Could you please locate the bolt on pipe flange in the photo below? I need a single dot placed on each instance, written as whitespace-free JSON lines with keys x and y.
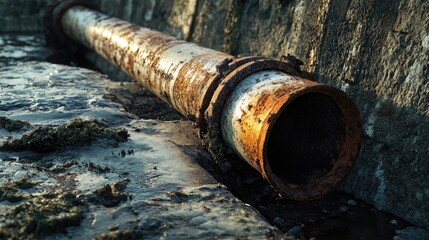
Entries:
{"x":302,"y":136}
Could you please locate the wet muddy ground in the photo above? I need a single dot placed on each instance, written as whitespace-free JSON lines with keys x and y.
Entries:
{"x":141,"y":172}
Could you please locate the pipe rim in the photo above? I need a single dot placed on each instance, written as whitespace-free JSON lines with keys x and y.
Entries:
{"x":55,"y":14}
{"x":349,"y":148}
{"x":240,"y":68}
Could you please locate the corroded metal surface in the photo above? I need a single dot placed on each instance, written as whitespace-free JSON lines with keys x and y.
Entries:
{"x":254,"y":109}
{"x":180,"y":73}
{"x":259,"y":107}
{"x":238,"y":70}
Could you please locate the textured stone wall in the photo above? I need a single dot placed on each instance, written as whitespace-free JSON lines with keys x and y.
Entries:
{"x":22,"y":15}
{"x":376,"y":51}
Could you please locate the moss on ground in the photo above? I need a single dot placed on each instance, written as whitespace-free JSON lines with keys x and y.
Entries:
{"x":96,"y":168}
{"x":76,"y":133}
{"x":131,"y":233}
{"x":36,"y":216}
{"x":25,"y":183}
{"x":111,"y":195}
{"x":10,"y":190}
{"x":41,"y":215}
{"x":11,"y":124}
{"x":63,"y":167}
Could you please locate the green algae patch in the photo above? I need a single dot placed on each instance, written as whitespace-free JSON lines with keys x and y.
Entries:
{"x":11,"y":124}
{"x":76,"y":133}
{"x":111,"y":195}
{"x":41,"y":215}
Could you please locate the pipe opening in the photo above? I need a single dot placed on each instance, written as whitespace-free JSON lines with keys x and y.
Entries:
{"x":306,"y":139}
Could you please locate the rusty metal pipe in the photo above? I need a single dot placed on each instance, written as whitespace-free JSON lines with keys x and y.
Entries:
{"x":302,"y":136}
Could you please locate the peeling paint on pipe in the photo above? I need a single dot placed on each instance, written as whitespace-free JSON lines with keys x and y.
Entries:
{"x":302,"y":136}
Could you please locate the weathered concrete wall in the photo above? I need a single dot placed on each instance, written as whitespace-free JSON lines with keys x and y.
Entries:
{"x":22,"y":15}
{"x":376,"y":51}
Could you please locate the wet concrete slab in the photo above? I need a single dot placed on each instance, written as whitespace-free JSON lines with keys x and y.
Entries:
{"x":167,"y":194}
{"x":16,"y":48}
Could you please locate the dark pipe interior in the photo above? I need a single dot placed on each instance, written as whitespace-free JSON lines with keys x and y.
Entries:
{"x":305,"y":140}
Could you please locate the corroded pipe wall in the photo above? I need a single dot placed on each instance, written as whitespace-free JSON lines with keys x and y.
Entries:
{"x":178,"y":72}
